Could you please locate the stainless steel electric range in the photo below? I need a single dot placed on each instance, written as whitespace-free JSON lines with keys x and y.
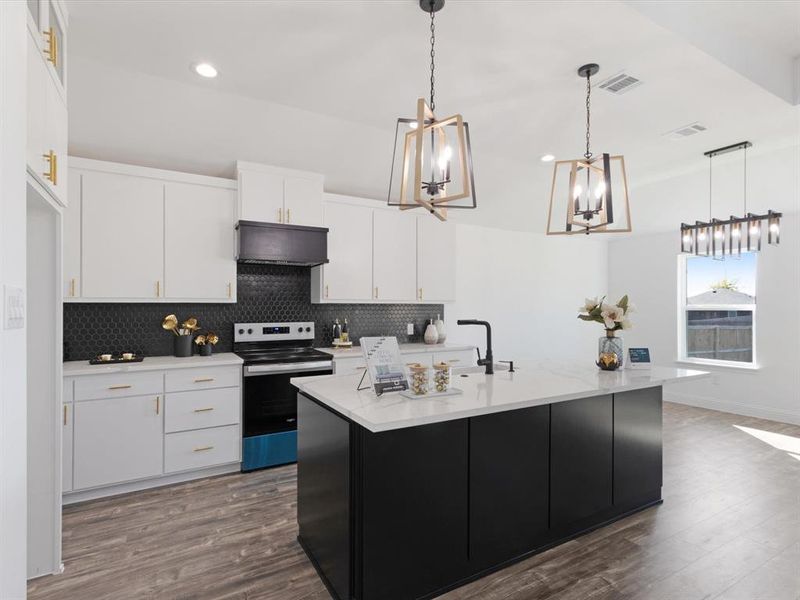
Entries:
{"x":273,"y":353}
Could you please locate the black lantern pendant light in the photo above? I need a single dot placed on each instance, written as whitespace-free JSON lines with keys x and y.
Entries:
{"x":719,"y":238}
{"x":432,"y":159}
{"x":589,"y":186}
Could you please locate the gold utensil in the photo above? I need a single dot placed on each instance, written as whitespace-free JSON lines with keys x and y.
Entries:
{"x":190,"y":324}
{"x":200,"y":340}
{"x":170,"y":323}
{"x":212,"y":338}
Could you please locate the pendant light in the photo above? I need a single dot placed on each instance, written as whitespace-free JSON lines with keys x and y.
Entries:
{"x":432,"y":159}
{"x":719,"y":238}
{"x":588,"y":186}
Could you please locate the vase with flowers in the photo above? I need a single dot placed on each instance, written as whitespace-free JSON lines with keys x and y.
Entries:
{"x":613,"y":317}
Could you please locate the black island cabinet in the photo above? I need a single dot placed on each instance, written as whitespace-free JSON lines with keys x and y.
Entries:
{"x":413,"y":512}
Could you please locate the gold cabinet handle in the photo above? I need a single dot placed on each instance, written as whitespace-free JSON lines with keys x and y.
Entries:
{"x":158,"y":289}
{"x":420,"y":293}
{"x":203,"y":379}
{"x":452,"y":360}
{"x":376,"y":292}
{"x":230,"y":290}
{"x":326,"y":290}
{"x":280,"y":215}
{"x":72,"y":287}
{"x":203,"y":448}
{"x":158,"y":405}
{"x":199,"y":410}
{"x":52,"y":167}
{"x":51,"y":52}
{"x":120,"y":387}
{"x":65,"y":414}
{"x":288,"y":215}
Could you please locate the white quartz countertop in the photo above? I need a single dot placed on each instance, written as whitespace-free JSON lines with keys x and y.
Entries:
{"x":355,"y":351}
{"x":151,"y":363}
{"x":483,"y":394}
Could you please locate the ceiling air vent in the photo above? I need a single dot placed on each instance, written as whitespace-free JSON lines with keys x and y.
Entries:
{"x":619,"y":83}
{"x":685,"y":131}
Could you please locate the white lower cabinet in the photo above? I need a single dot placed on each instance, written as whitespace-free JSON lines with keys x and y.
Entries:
{"x":201,"y":448}
{"x":121,"y":431}
{"x":118,"y":439}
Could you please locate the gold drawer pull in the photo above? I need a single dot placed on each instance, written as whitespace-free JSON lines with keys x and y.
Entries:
{"x":203,"y":379}
{"x":452,"y":360}
{"x":199,"y":410}
{"x":360,"y":368}
{"x":203,"y":448}
{"x":120,"y":387}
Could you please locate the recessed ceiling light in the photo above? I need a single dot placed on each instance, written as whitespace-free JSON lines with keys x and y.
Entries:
{"x":547,"y":158}
{"x":205,"y":70}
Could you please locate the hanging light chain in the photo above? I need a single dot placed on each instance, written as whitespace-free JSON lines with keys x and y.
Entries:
{"x":745,"y":180}
{"x":433,"y":55}
{"x":710,"y":184}
{"x":588,"y":153}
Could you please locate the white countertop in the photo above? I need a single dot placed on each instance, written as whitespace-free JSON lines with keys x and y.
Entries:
{"x":355,"y":351}
{"x":151,"y":363}
{"x":528,"y":386}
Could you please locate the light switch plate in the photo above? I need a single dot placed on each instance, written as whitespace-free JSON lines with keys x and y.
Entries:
{"x":14,"y":302}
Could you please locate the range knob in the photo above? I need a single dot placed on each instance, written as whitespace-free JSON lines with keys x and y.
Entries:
{"x":299,"y":330}
{"x":249,"y":331}
{"x":308,"y":329}
{"x":241,"y":331}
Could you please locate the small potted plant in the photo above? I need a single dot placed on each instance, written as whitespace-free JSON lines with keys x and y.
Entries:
{"x":613,"y":317}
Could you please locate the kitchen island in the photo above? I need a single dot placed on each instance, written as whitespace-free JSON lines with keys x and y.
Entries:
{"x":408,"y":498}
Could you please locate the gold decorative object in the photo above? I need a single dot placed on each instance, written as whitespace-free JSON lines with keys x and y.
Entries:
{"x":200,"y":340}
{"x":608,"y":361}
{"x":170,"y":323}
{"x":212,"y":338}
{"x":190,"y":324}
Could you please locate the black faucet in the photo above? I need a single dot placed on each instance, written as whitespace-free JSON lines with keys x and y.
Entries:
{"x":488,"y":362}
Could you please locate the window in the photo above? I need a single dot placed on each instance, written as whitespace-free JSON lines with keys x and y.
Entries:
{"x":718,"y":310}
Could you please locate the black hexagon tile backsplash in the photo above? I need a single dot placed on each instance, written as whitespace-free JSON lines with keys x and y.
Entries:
{"x":266,"y":293}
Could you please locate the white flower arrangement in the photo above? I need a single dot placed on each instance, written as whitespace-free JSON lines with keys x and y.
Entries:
{"x":613,"y":316}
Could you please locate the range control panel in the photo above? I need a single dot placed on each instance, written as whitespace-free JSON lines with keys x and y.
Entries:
{"x":272,"y":332}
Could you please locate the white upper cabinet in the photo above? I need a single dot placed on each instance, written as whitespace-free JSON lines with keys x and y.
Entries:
{"x":378,"y":254}
{"x":47,"y":100}
{"x":122,"y":236}
{"x":394,"y":257}
{"x":348,"y":275}
{"x":71,"y":239}
{"x":302,"y":199}
{"x":133,"y":234}
{"x":436,"y":264}
{"x":260,"y":196}
{"x":276,"y":195}
{"x":199,"y":255}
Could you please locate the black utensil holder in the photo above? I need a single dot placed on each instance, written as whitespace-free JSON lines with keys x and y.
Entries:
{"x":183,"y":346}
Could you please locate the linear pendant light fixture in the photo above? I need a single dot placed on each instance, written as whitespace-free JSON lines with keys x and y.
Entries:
{"x":588,"y":186}
{"x":719,"y":238}
{"x":432,"y":159}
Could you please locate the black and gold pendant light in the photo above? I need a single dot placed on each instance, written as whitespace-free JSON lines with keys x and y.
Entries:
{"x":432,"y":159}
{"x":719,"y":238}
{"x":586,"y":188}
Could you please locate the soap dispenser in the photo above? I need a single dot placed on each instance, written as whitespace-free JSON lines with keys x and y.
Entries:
{"x":431,"y":335}
{"x":440,"y":330}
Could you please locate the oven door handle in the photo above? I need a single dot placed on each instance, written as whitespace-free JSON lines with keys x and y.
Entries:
{"x":319,"y":365}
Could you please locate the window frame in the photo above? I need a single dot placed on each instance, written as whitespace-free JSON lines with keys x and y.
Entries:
{"x":684,"y":308}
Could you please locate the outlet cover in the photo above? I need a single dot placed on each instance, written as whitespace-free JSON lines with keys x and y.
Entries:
{"x":14,"y":307}
{"x":410,"y":329}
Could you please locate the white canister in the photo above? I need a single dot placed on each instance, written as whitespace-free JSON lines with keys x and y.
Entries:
{"x":440,"y":330}
{"x":431,"y":335}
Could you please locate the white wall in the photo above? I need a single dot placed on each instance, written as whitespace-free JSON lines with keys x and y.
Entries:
{"x":13,"y":510}
{"x":646,"y":267}
{"x":529,"y":287}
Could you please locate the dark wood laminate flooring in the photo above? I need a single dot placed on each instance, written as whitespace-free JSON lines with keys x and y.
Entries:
{"x":729,"y":528}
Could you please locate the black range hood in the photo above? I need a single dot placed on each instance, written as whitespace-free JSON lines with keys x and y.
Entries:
{"x":280,"y":244}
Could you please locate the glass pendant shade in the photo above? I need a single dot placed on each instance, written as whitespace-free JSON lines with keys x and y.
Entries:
{"x":432,"y":164}
{"x":773,"y":228}
{"x":589,"y":195}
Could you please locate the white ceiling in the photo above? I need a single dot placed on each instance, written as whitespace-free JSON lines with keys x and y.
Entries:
{"x":507,"y":66}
